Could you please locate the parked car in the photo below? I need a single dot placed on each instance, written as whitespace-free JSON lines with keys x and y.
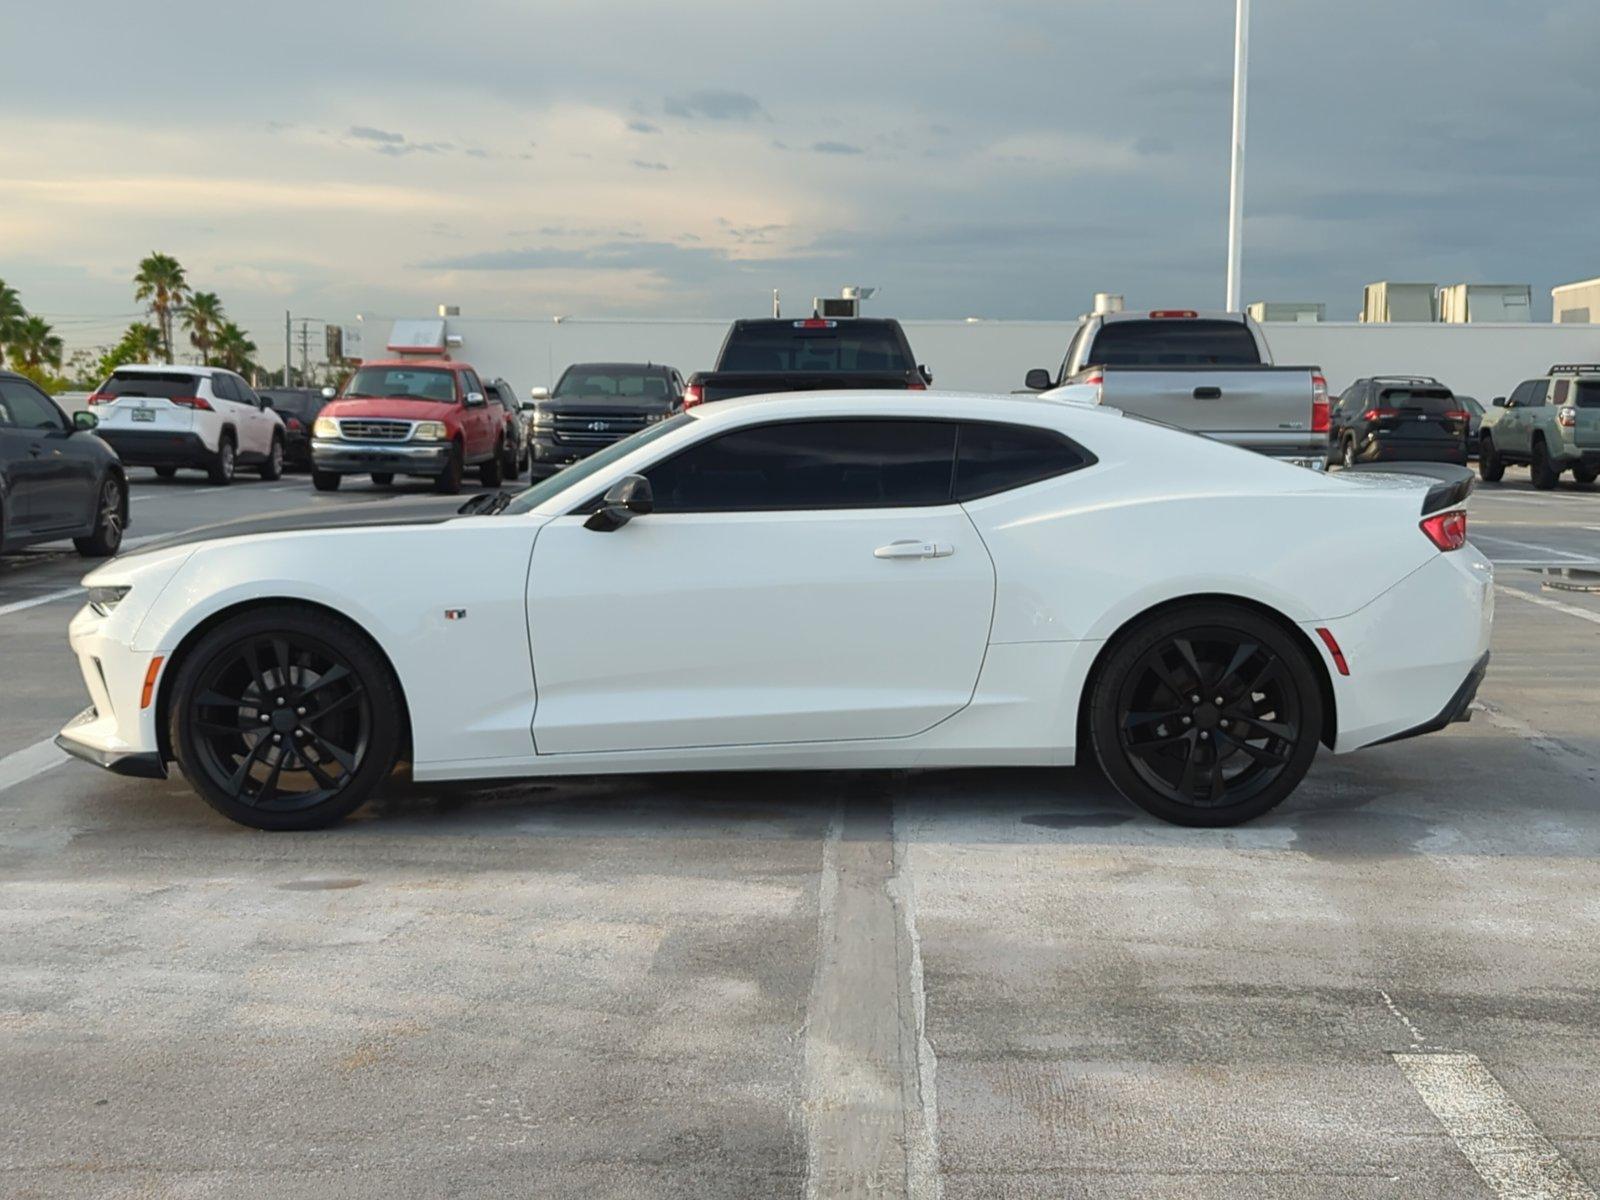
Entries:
{"x":858,"y":579}
{"x":298,"y":408}
{"x":57,"y":479}
{"x":503,"y":394}
{"x":1208,"y":372}
{"x":1412,"y":418}
{"x":1475,"y":413}
{"x":175,"y":417}
{"x":1551,"y":423}
{"x":594,"y":405}
{"x":425,"y":417}
{"x":812,"y":354}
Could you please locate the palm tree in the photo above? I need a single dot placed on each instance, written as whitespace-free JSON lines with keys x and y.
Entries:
{"x":140,"y":343}
{"x":202,"y":317}
{"x":33,"y":345}
{"x":161,"y":284}
{"x":11,"y":312}
{"x":234,"y":349}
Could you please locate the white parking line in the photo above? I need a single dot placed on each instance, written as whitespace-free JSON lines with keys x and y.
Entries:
{"x":22,"y":765}
{"x":1571,"y":610}
{"x":1498,"y":1138}
{"x":36,"y":601}
{"x":1534,"y":546}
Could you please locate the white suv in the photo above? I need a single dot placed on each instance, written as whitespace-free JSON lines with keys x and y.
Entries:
{"x":168,"y":417}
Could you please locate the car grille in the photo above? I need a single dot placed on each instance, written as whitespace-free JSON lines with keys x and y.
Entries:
{"x":364,"y":430}
{"x":596,"y":428}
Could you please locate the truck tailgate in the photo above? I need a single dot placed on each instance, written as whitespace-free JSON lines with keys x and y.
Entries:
{"x":1250,"y":400}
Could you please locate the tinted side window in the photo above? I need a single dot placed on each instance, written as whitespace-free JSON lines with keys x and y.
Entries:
{"x":222,"y":385}
{"x":996,"y":458}
{"x":1520,"y":394}
{"x":1540,"y":387}
{"x":1562,"y":386}
{"x":25,"y":407}
{"x":811,"y":465}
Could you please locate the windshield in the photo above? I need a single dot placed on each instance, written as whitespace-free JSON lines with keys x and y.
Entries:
{"x":605,"y":381}
{"x":402,"y":383}
{"x":820,"y":346}
{"x":163,"y":384}
{"x":296,"y":403}
{"x":598,"y":461}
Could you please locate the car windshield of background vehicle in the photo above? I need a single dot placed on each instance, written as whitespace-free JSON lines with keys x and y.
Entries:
{"x":1585,"y":394}
{"x":295,"y":405}
{"x":162,"y":385}
{"x":1432,"y":403}
{"x":401,"y":383}
{"x":1174,"y":342}
{"x":611,"y":383}
{"x":598,"y":461}
{"x":793,"y":346}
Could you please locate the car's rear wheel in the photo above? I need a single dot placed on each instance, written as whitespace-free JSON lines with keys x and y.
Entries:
{"x":111,"y":508}
{"x":166,"y":472}
{"x":326,"y":481}
{"x":1348,"y":456}
{"x":273,"y":468}
{"x":1209,"y":715}
{"x":1544,"y":472}
{"x":224,"y":461}
{"x":285,"y":718}
{"x":448,"y":481}
{"x":1586,"y":474}
{"x":383,"y":478}
{"x":509,"y":466}
{"x":1490,"y":465}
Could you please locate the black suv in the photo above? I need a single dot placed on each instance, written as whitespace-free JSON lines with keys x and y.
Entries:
{"x":593,"y":405}
{"x":1398,"y":418}
{"x":516,"y":441}
{"x":57,"y":480}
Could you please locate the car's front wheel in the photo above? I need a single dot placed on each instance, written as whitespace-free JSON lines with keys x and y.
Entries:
{"x":448,"y":481}
{"x":111,"y":509}
{"x":1208,"y":714}
{"x":1490,"y":465}
{"x":285,"y":718}
{"x":326,"y":481}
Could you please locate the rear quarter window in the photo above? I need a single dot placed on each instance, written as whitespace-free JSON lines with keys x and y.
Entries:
{"x":1586,"y":394}
{"x":993,"y":458}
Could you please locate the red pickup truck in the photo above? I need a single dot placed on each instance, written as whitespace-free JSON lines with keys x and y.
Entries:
{"x":425,"y":417}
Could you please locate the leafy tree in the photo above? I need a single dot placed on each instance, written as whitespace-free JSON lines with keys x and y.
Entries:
{"x":234,"y":349}
{"x":140,"y":344}
{"x":34,"y":345}
{"x":161,"y":284}
{"x":11,"y":312}
{"x":203,"y":317}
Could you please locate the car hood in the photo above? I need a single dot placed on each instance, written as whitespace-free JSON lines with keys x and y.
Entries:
{"x":405,"y":410}
{"x":424,"y":510}
{"x":606,"y":403}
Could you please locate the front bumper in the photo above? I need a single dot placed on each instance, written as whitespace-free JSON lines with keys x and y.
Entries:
{"x":543,"y":449}
{"x":401,"y":458}
{"x":155,"y":448}
{"x":75,"y":740}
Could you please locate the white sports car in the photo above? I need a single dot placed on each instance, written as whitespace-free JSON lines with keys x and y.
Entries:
{"x":834,"y":580}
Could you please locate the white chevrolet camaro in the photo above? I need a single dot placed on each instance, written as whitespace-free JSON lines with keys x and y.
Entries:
{"x":832,"y":580}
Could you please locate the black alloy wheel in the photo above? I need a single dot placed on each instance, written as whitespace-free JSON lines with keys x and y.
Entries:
{"x":111,"y":509}
{"x":1209,"y":716}
{"x":285,"y":718}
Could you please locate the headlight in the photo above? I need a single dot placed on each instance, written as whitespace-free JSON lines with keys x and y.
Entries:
{"x":104,"y":599}
{"x":325,"y":427}
{"x":431,"y":431}
{"x":539,"y":418}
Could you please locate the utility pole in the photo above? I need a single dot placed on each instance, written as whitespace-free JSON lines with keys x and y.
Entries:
{"x":1241,"y":66}
{"x":288,"y":323}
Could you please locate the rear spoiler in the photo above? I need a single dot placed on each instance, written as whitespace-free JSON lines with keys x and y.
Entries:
{"x":1451,"y":484}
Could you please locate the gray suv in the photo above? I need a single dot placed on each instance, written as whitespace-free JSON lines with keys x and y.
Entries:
{"x":1551,"y":423}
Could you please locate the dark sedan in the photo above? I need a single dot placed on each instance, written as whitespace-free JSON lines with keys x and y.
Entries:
{"x":299,"y":408}
{"x":57,"y":480}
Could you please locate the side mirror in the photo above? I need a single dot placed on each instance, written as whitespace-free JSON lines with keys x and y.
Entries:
{"x":266,"y":401}
{"x":1500,"y":402}
{"x":927,"y":375}
{"x":539,"y":393}
{"x":328,"y":393}
{"x":627,"y":498}
{"x":476,"y":400}
{"x":84,"y":421}
{"x":1038,"y":380}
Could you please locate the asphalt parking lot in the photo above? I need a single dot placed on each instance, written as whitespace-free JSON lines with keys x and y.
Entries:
{"x":967,"y":984}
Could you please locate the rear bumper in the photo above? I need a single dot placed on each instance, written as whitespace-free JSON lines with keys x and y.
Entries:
{"x":358,"y":458}
{"x":1457,"y":709}
{"x":155,"y":448}
{"x":1377,"y":450}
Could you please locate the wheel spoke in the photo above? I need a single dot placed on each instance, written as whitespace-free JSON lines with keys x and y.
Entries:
{"x":324,"y":780}
{"x":343,"y":757}
{"x":1260,"y":754}
{"x":1268,"y":728}
{"x":218,"y":700}
{"x":1219,"y":783}
{"x":242,"y":771}
{"x":280,"y":651}
{"x":217,"y":729}
{"x":333,"y":675}
{"x":334,"y":706}
{"x":1149,"y":745}
{"x":1186,"y":648}
{"x":254,"y":663}
{"x":1186,"y":782}
{"x":1242,"y":655}
{"x":270,"y":786}
{"x":1164,"y":674}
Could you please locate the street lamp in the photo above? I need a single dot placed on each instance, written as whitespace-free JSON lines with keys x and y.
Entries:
{"x":1241,"y":65}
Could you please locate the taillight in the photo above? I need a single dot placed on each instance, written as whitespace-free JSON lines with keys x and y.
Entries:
{"x":199,"y":402}
{"x":1567,"y":417}
{"x":1173,"y":314}
{"x":1457,"y":414}
{"x":916,"y":385}
{"x":1093,"y":377}
{"x":693,"y":394}
{"x":1319,"y":404}
{"x":102,"y":398}
{"x":1380,"y":414}
{"x":1447,"y":530}
{"x":293,"y":425}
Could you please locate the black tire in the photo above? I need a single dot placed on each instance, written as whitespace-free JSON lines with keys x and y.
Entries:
{"x":1156,"y":726}
{"x":489,"y":470}
{"x":383,"y":478}
{"x":1490,"y":465}
{"x":1347,"y":452}
{"x":448,"y":481}
{"x":111,"y":516}
{"x":272,"y":469}
{"x":1586,"y":474}
{"x":224,"y":462}
{"x":326,"y":481}
{"x":1545,"y":474}
{"x":166,"y":472}
{"x":288,"y":765}
{"x":510,"y":466}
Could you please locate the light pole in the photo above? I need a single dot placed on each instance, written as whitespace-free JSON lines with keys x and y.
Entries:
{"x":1241,"y":67}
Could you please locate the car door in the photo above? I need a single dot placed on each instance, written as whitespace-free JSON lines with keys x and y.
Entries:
{"x":1511,"y":431}
{"x":258,"y":418}
{"x":477,"y":419}
{"x":798,"y":582}
{"x":52,"y":477}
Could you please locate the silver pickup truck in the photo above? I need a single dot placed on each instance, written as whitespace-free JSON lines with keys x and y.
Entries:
{"x":1209,"y":372}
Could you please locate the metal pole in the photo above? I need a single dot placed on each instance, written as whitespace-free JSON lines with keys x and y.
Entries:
{"x":288,"y":324}
{"x":1241,"y":66}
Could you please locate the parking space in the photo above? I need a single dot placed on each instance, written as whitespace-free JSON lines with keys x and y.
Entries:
{"x":973,"y":983}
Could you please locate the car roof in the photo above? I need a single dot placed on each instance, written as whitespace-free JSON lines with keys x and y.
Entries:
{"x":173,"y":369}
{"x":442,"y":363}
{"x":620,"y":366}
{"x":1190,"y":314}
{"x":1026,"y":409}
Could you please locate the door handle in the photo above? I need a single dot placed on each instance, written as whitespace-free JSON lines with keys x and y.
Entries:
{"x":1208,"y":393}
{"x":914,"y":549}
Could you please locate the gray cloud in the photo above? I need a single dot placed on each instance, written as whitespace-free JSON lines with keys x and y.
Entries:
{"x":649,"y":166}
{"x":367,"y":133}
{"x":835,"y":148}
{"x":713,"y":104}
{"x":640,"y":125}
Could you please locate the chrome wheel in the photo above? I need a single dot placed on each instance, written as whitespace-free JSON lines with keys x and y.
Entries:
{"x":110,"y":524}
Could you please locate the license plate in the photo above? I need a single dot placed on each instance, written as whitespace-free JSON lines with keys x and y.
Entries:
{"x":1310,"y":464}
{"x":144,"y":414}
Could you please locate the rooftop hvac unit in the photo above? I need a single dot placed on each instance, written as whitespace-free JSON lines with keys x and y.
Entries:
{"x":1300,"y":312}
{"x":1466,"y":303}
{"x":836,"y":306}
{"x":1576,"y":303}
{"x":1107,"y":302}
{"x":1386,"y":302}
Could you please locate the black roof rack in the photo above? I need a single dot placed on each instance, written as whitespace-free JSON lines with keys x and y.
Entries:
{"x":1574,"y":369}
{"x":1406,"y":379}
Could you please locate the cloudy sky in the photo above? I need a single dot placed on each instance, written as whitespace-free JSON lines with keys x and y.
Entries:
{"x":633,"y":157}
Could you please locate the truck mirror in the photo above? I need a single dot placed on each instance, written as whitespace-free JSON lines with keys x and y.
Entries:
{"x":1499,"y":402}
{"x":1038,"y":380}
